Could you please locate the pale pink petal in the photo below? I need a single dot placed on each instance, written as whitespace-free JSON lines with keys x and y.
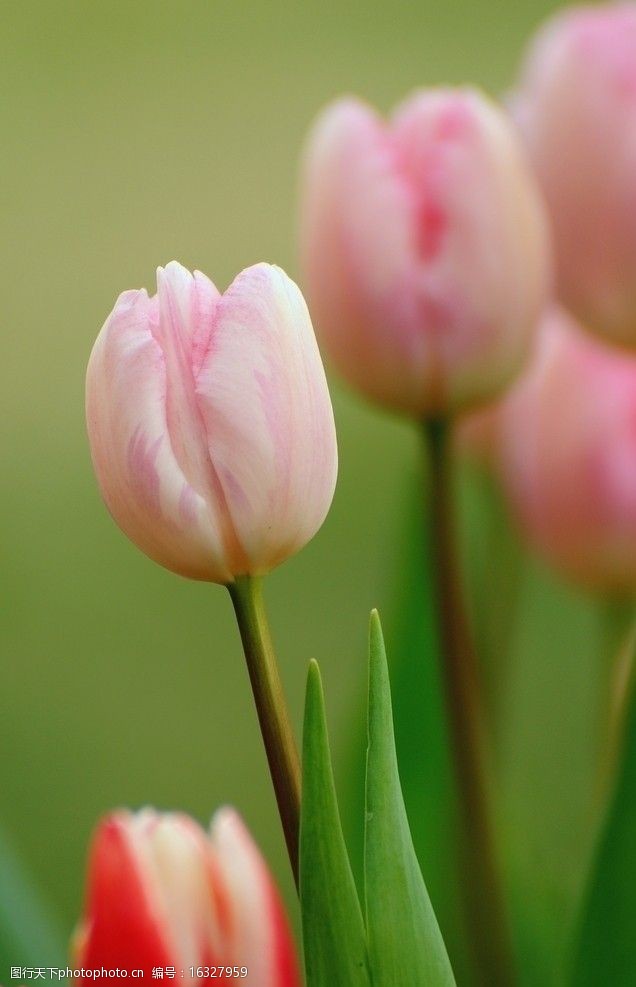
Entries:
{"x":355,"y":249}
{"x":325,"y":255}
{"x":479,"y":274}
{"x":265,"y":404}
{"x":140,"y":475}
{"x":186,"y":313}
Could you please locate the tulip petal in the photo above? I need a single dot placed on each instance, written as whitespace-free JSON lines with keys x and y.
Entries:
{"x":122,"y":929}
{"x":141,"y":479}
{"x":473,"y":203}
{"x":349,"y":193}
{"x":186,"y":312}
{"x":259,"y":937}
{"x":174,"y":852}
{"x":263,"y":397}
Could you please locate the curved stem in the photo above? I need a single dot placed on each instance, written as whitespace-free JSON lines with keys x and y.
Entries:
{"x":481,"y":882}
{"x":273,"y":717}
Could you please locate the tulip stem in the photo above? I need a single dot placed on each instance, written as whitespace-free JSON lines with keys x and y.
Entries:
{"x":481,"y":885}
{"x":271,"y":707}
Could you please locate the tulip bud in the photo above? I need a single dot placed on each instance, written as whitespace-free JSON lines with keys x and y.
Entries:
{"x":210,"y":422}
{"x":576,"y":106}
{"x":425,"y":249}
{"x":567,"y":455}
{"x":163,"y":894}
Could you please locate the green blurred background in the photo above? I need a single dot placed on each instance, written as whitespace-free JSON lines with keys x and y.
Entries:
{"x":134,"y":133}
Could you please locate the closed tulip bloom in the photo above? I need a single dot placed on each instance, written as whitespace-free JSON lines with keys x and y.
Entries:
{"x":567,"y":455}
{"x":576,"y":106}
{"x":425,"y":249}
{"x":162,"y":893}
{"x":210,"y":422}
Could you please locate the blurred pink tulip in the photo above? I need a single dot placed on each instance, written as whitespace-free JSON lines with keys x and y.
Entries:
{"x":161,"y":893}
{"x":566,"y":449}
{"x":576,"y":106}
{"x":425,"y":249}
{"x":210,"y":422}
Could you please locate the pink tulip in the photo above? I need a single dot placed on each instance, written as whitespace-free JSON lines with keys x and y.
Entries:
{"x":576,"y":106}
{"x":210,"y":422}
{"x":161,"y":893}
{"x":425,"y":249}
{"x":567,"y":455}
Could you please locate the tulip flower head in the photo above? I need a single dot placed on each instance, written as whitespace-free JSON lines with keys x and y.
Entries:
{"x":576,"y":107}
{"x":567,"y":455}
{"x":210,"y":422}
{"x":161,"y":893}
{"x":425,"y":249}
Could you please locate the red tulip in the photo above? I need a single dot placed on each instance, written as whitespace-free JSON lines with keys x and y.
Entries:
{"x":166,"y":899}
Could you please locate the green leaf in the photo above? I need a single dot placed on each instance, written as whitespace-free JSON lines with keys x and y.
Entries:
{"x":405,"y":943}
{"x":29,"y":935}
{"x":333,"y":929}
{"x":606,"y":952}
{"x":421,"y":738}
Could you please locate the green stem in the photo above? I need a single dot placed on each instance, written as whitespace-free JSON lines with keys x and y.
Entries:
{"x":273,"y":717}
{"x":481,"y":885}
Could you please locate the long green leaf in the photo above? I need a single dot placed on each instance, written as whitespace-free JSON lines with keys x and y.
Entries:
{"x":29,"y":935}
{"x":425,"y":767}
{"x":405,"y":943}
{"x":333,"y":929}
{"x":606,"y":952}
